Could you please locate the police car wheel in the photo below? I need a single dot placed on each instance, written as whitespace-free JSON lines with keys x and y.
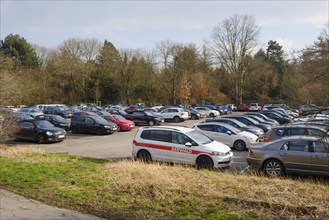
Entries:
{"x":176,"y":119}
{"x":204,"y":162}
{"x":144,"y":156}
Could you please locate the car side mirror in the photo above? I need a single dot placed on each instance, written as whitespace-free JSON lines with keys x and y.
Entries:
{"x":228,"y":132}
{"x":188,"y":144}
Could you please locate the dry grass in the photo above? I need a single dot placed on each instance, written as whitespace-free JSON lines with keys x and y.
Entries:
{"x":136,"y":190}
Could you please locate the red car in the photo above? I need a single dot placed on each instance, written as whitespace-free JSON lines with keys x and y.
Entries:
{"x":243,"y":107}
{"x":123,"y":124}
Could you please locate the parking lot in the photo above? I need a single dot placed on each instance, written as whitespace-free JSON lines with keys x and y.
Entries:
{"x":117,"y":146}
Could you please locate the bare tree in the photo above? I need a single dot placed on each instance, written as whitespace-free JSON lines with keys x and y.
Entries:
{"x":232,"y":43}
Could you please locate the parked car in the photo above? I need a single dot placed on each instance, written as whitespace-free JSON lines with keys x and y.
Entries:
{"x":63,"y":111}
{"x":304,"y":155}
{"x":56,"y":120}
{"x":233,"y":107}
{"x":122,"y":123}
{"x":243,"y":107}
{"x":250,"y":121}
{"x":30,"y":111}
{"x":209,"y":112}
{"x":276,"y":116}
{"x":40,"y":131}
{"x":227,"y":134}
{"x":174,"y":114}
{"x":117,"y":112}
{"x":195,"y":114}
{"x":22,"y":117}
{"x":264,"y":117}
{"x":92,"y":124}
{"x":292,"y":129}
{"x":225,"y":109}
{"x":254,"y":107}
{"x":180,"y":145}
{"x":142,"y":117}
{"x":239,"y":125}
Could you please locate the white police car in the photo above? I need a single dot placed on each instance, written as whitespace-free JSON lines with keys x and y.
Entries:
{"x":180,"y":145}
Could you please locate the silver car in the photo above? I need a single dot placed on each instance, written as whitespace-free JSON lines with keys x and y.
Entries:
{"x":295,"y":154}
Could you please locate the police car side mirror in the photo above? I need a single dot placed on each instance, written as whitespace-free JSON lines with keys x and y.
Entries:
{"x":188,"y":144}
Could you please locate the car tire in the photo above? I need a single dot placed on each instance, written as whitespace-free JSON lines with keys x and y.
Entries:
{"x":119,"y":128}
{"x":273,"y":168}
{"x":239,"y":145}
{"x":204,"y":162}
{"x":211,"y":115}
{"x":176,"y":119}
{"x":41,"y":139}
{"x":151,"y":123}
{"x":193,"y":117}
{"x":144,"y":156}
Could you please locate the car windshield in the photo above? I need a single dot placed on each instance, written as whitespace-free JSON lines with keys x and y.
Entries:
{"x":118,"y":117}
{"x":43,"y":124}
{"x":58,"y":118}
{"x":199,"y":137}
{"x":234,"y":130}
{"x":252,"y":120}
{"x":99,"y":119}
{"x":149,"y":113}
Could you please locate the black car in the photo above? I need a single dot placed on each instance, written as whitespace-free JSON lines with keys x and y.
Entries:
{"x":250,"y":121}
{"x":40,"y":131}
{"x":56,"y":120}
{"x":142,"y":117}
{"x":64,"y":112}
{"x":92,"y":124}
{"x":276,"y":116}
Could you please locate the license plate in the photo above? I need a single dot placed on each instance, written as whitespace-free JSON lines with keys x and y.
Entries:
{"x":61,"y":136}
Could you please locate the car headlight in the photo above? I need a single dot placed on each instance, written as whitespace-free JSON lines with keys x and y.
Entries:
{"x":216,"y":153}
{"x":49,"y":133}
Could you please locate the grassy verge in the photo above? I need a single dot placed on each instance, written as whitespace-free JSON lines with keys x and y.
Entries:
{"x":133,"y":190}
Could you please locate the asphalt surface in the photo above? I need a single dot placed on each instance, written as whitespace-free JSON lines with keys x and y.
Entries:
{"x":117,"y":146}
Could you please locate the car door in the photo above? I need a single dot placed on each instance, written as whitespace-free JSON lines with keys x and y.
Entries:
{"x":166,"y":114}
{"x":27,"y":130}
{"x":320,"y":157}
{"x":222,"y":135}
{"x":296,"y":156}
{"x":159,"y":144}
{"x":89,"y":125}
{"x":181,"y":152}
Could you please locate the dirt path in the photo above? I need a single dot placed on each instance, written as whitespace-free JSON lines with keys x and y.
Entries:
{"x":16,"y":207}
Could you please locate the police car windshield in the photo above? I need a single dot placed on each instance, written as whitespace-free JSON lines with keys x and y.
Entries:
{"x":199,"y":137}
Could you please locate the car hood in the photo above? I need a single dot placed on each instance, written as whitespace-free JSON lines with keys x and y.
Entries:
{"x":215,"y":146}
{"x":52,"y":129}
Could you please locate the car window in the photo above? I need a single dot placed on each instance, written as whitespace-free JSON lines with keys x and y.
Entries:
{"x":320,"y":147}
{"x":43,"y":124}
{"x":297,"y":131}
{"x":315,"y":132}
{"x":296,"y":146}
{"x":26,"y":124}
{"x":207,"y":127}
{"x":279,"y":132}
{"x":220,"y":129}
{"x":179,"y":138}
{"x":158,"y":135}
{"x":89,"y":121}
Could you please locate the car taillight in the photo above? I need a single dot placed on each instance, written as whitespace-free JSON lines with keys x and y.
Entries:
{"x":266,"y":139}
{"x":250,"y":152}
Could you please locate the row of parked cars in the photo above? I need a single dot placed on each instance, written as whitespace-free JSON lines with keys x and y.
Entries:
{"x":277,"y":140}
{"x":57,"y":119}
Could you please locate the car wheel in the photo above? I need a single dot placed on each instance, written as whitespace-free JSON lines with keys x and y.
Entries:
{"x":204,"y":162}
{"x":151,"y":123}
{"x":239,"y":145}
{"x":144,"y":156}
{"x":41,"y":139}
{"x":193,"y":117}
{"x":212,"y":115}
{"x":100,"y":131}
{"x":176,"y":119}
{"x":273,"y":168}
{"x":119,"y":128}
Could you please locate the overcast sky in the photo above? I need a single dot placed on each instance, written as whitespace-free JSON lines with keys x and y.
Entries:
{"x":142,"y":24}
